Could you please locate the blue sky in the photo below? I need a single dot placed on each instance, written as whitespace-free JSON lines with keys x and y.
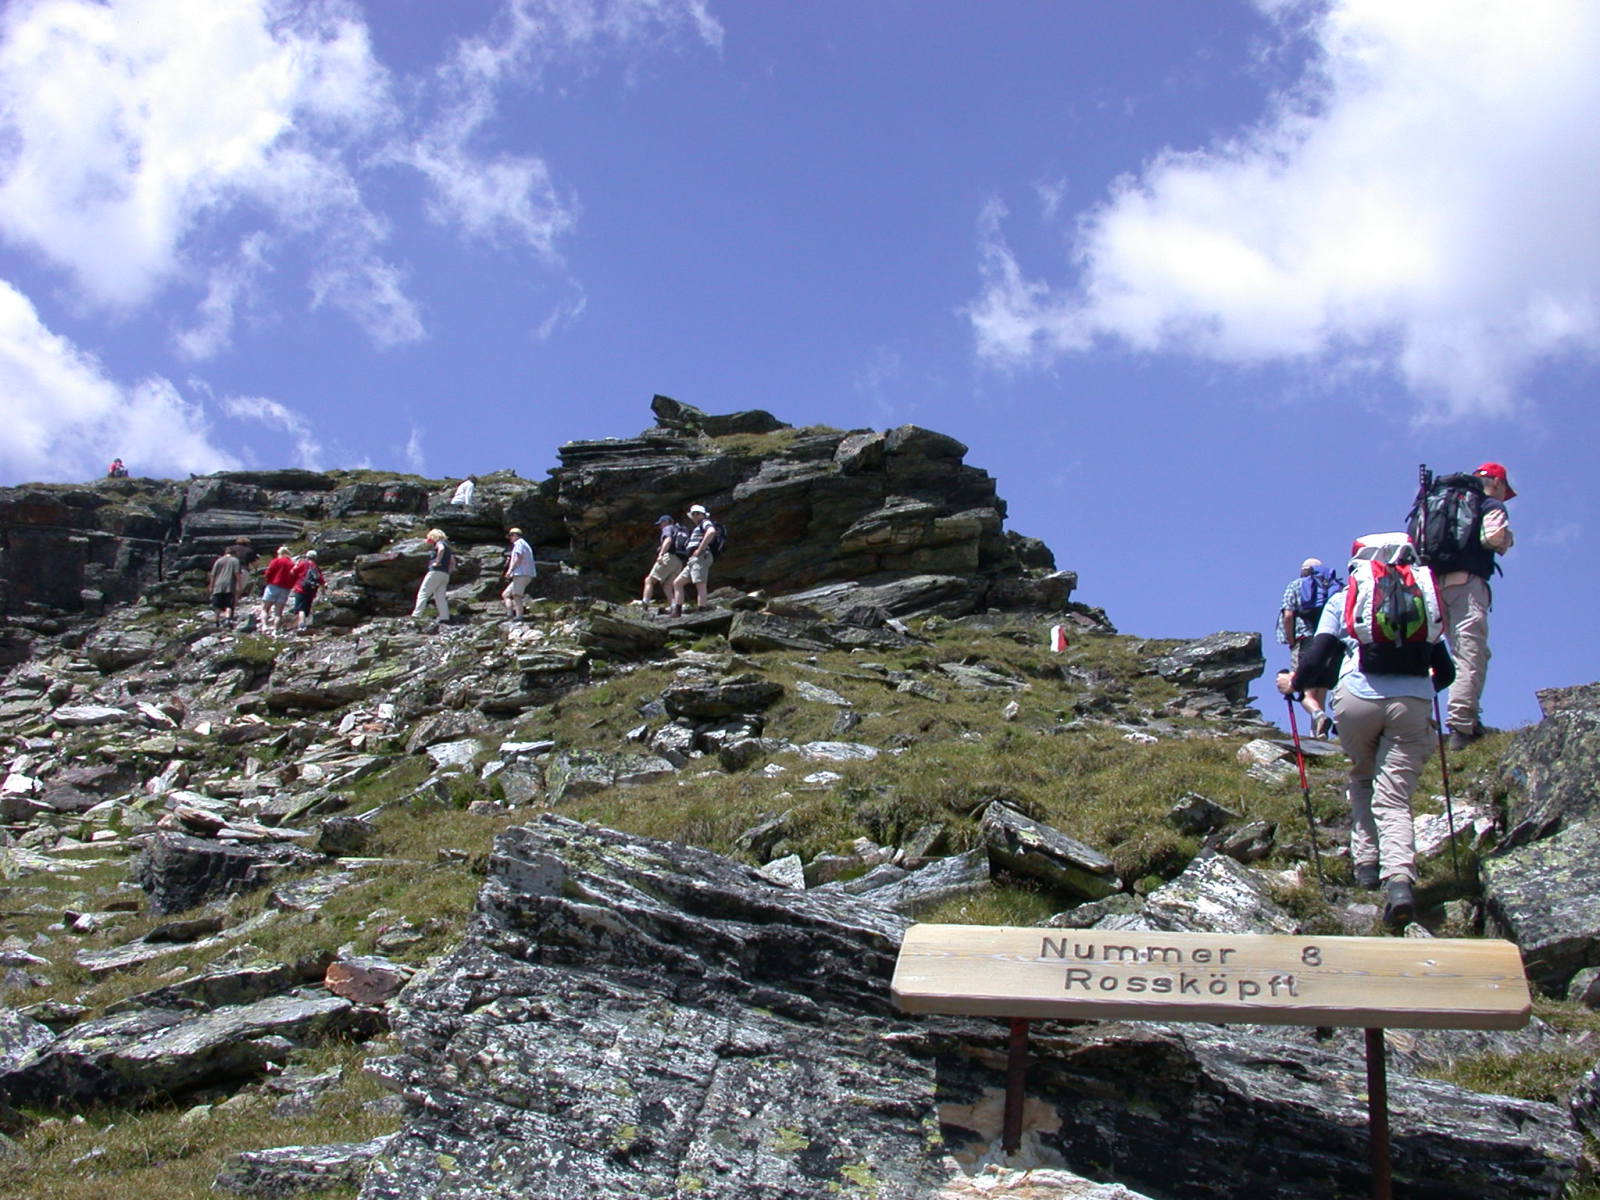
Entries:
{"x":1199,"y":283}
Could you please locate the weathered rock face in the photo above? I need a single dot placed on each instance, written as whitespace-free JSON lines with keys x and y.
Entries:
{"x":1542,"y":887}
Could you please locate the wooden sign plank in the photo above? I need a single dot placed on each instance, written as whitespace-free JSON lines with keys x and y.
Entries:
{"x":1093,"y":974}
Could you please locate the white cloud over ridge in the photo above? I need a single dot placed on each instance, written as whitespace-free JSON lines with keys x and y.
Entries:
{"x":131,"y":125}
{"x":65,"y":419}
{"x":133,"y":131}
{"x":1422,"y":204}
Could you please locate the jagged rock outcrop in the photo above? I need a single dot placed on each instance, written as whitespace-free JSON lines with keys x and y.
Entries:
{"x":1542,"y":887}
{"x":898,"y":515}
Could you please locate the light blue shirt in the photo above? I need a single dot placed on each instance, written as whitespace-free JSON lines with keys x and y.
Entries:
{"x":1351,"y":678}
{"x":522,"y":559}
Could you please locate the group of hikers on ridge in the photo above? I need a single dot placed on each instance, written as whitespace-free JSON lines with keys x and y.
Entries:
{"x":1369,"y":653}
{"x":684,"y":554}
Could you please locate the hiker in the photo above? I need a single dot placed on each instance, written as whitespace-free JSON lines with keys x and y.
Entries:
{"x":1298,"y":615}
{"x":466,"y":491}
{"x":1467,"y":598}
{"x":225,"y":583}
{"x":116,"y":470}
{"x":520,"y":572}
{"x":668,"y":561}
{"x":308,"y":580}
{"x":278,"y":581}
{"x":700,"y":551}
{"x":1382,"y":705}
{"x":437,"y":577}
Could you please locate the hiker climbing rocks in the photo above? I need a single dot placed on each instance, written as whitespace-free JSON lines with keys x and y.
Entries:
{"x":225,"y":583}
{"x":116,"y":470}
{"x":704,"y":543}
{"x":520,"y":572}
{"x":1459,"y":523}
{"x":1298,"y":615}
{"x":303,"y":592}
{"x":278,"y":581}
{"x":671,"y":545}
{"x":1385,"y":631}
{"x":466,"y":491}
{"x":441,"y":559}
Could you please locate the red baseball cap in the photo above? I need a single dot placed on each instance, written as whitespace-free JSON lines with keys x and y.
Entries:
{"x":1496,"y":471}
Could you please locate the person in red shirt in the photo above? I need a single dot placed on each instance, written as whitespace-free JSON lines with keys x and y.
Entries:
{"x":307,"y":580}
{"x":279,"y":579}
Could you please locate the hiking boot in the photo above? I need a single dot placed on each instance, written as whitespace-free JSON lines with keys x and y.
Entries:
{"x":1398,"y":903}
{"x":1460,"y":741}
{"x":675,"y":611}
{"x":1367,"y":876}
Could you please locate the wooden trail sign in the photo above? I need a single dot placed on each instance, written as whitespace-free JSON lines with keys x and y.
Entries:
{"x":1270,"y":979}
{"x":1025,"y":974}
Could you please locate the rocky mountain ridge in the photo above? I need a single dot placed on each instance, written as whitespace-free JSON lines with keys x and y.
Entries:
{"x":223,"y":851}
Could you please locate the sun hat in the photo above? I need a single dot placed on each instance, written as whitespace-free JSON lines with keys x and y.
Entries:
{"x":663,"y":519}
{"x":697,"y":508}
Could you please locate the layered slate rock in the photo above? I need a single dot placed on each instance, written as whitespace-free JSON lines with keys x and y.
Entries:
{"x":179,"y":872}
{"x":637,"y":1018}
{"x":1027,"y":847}
{"x":155,"y":1051}
{"x":1223,"y":662}
{"x":802,"y":506}
{"x":1542,"y":886}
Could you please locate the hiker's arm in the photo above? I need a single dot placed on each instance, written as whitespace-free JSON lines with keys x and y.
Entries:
{"x":1442,"y":666}
{"x":1496,"y":532}
{"x":1319,"y":652}
{"x":1287,"y":616}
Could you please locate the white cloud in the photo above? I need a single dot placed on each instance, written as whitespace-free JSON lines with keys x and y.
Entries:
{"x":568,"y":312}
{"x":414,"y":451}
{"x":308,"y":450}
{"x":231,"y":284}
{"x":133,"y":127}
{"x":510,"y":198}
{"x":1423,"y":202}
{"x":64,"y":419}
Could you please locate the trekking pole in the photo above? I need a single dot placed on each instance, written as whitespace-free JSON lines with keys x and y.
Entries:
{"x":1305,"y":792}
{"x":1449,"y":812}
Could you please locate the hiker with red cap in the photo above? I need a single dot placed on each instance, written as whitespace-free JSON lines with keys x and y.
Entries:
{"x":1464,"y":583}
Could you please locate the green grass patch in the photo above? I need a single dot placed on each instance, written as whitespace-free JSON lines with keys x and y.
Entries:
{"x":175,"y":1152}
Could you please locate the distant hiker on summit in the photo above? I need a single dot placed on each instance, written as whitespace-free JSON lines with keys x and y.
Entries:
{"x":116,"y":470}
{"x":668,"y":561}
{"x":1459,"y":524}
{"x":1298,"y":615}
{"x":441,"y":559}
{"x":520,"y":572}
{"x":466,"y":491}
{"x":1385,"y":630}
{"x":705,"y":541}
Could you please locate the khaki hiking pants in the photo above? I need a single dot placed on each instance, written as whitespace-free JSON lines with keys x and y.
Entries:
{"x":1388,"y":742}
{"x":1466,"y":617}
{"x":433,"y":588}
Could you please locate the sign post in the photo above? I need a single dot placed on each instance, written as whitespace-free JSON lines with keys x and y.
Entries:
{"x":1024,"y":974}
